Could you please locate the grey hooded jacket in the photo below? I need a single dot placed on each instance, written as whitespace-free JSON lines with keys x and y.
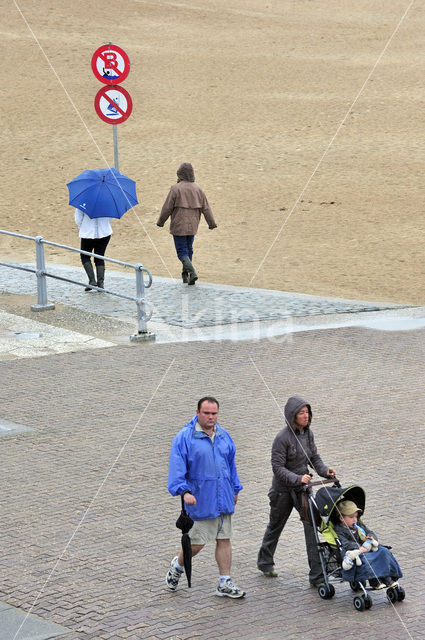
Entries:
{"x":293,"y":452}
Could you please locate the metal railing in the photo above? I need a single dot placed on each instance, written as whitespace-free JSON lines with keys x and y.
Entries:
{"x":144,"y":310}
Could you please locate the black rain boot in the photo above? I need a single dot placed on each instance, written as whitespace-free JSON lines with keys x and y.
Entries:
{"x":188,"y":267}
{"x":100,"y":271}
{"x":88,"y":268}
{"x":185,"y":275}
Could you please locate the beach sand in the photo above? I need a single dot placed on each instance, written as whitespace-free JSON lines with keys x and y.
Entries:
{"x":303,"y":121}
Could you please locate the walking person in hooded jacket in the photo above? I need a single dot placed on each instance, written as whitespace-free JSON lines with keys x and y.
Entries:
{"x":293,"y":451}
{"x":185,"y":203}
{"x":203,"y":470}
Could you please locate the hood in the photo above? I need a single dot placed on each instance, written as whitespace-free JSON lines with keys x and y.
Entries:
{"x":185,"y":172}
{"x":292,"y":407}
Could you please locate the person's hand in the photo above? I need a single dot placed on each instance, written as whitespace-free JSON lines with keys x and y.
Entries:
{"x":236,"y":498}
{"x":367,"y":544}
{"x":331,"y":473}
{"x":189,"y":499}
{"x":306,"y":478}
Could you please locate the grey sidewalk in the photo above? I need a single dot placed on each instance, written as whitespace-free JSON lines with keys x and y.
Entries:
{"x":17,"y":625}
{"x":210,"y":311}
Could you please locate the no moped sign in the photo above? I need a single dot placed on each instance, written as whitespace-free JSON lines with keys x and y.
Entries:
{"x":113,"y":104}
{"x":110,"y":64}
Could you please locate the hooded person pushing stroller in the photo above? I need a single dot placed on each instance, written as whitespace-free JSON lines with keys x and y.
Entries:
{"x":293,"y":451}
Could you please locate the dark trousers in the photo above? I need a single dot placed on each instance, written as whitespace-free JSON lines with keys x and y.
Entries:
{"x":94,"y":245}
{"x":184,"y":246}
{"x":281,"y":505}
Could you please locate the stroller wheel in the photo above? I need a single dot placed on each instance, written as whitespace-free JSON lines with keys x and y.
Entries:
{"x":368,"y":601}
{"x":401,"y":594}
{"x":326,"y":592}
{"x":355,"y":586}
{"x":359,"y":603}
{"x":392,"y":594}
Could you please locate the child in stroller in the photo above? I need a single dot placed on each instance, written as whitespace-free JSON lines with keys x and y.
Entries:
{"x":351,"y":552}
{"x":356,"y":539}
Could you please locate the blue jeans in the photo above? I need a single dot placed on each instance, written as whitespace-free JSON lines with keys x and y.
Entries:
{"x":184,"y":246}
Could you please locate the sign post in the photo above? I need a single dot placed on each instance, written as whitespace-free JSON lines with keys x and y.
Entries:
{"x":111,"y":65}
{"x":115,"y":135}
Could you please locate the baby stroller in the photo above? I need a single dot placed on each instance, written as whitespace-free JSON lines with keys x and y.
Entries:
{"x":323,"y":515}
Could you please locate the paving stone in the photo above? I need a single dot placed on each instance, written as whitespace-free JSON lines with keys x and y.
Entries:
{"x":85,"y":494}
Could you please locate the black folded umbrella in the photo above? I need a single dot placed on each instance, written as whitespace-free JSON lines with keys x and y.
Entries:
{"x":185,"y":523}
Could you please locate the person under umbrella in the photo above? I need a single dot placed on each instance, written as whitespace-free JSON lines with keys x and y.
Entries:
{"x":99,"y":194}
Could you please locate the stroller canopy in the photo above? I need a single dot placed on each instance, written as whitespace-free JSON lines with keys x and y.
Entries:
{"x":326,"y":500}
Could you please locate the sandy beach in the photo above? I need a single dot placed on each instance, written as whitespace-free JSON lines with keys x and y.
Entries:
{"x":302,"y":119}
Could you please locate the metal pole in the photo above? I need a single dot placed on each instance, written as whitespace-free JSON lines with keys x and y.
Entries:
{"x":142,"y":331}
{"x":141,"y":309}
{"x":42,"y":304}
{"x":115,"y":132}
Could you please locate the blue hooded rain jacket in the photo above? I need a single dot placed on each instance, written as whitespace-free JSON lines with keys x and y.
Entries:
{"x":206,"y":469}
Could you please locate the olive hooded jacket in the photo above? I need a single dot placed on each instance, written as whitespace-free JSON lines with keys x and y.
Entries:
{"x":185,"y":203}
{"x":293,"y":452}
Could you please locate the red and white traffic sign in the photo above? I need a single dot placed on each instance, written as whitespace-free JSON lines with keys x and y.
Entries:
{"x":110,"y":64}
{"x":113,"y":104}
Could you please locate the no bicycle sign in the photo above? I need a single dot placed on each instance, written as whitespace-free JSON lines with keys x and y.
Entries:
{"x":110,"y":64}
{"x":113,"y":104}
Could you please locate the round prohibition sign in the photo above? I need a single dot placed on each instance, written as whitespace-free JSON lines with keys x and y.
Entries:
{"x":110,"y":64}
{"x":113,"y":104}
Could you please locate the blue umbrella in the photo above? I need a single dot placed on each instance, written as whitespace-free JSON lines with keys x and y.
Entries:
{"x":102,"y":193}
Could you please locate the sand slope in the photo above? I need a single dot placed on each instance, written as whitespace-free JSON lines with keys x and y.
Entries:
{"x":311,"y":193}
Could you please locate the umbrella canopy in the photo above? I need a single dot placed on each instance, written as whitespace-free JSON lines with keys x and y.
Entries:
{"x":102,"y":193}
{"x":185,"y":523}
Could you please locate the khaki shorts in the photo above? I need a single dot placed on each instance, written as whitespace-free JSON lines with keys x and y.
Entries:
{"x":204,"y":531}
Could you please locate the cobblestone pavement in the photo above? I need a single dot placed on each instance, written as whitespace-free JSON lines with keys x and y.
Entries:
{"x":87,"y":527}
{"x":179,"y":305}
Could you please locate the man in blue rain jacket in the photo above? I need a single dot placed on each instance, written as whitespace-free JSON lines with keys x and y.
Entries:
{"x":203,"y":470}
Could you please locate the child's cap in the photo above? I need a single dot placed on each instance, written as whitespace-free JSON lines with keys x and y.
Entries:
{"x":348,"y":508}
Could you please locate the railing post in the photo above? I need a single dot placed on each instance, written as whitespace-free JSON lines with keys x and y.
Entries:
{"x":142,"y":332}
{"x":42,"y":304}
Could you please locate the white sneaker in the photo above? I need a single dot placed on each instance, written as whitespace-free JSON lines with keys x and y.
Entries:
{"x":173,"y":576}
{"x":230,"y":590}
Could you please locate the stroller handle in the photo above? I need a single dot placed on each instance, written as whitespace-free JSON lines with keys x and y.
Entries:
{"x":325,"y":481}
